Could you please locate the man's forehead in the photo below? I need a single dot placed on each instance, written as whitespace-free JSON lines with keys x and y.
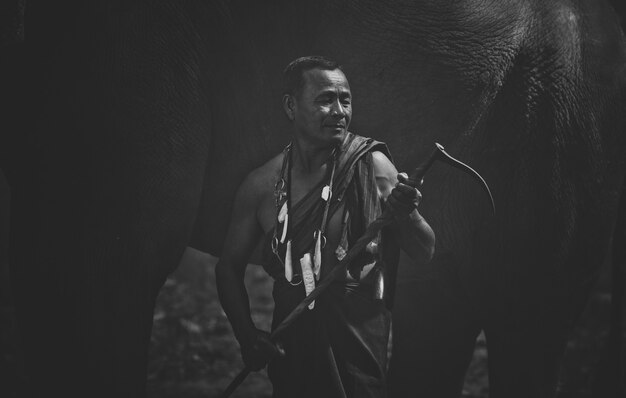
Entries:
{"x":322,"y":79}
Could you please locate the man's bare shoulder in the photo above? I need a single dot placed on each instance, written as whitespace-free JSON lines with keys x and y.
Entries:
{"x":385,"y":173}
{"x":261,"y":181}
{"x":383,"y":166}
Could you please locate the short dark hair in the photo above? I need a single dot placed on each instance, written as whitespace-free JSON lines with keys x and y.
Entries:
{"x":293,"y":75}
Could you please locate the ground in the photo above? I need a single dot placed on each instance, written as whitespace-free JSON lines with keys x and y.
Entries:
{"x":194,"y":354}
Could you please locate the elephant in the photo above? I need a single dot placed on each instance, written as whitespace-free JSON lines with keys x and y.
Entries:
{"x":131,"y":124}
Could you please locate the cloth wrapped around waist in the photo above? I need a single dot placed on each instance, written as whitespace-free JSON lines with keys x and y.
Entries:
{"x":338,"y":349}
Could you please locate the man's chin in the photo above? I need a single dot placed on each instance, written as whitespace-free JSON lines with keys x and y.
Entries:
{"x":337,"y":138}
{"x":339,"y":134}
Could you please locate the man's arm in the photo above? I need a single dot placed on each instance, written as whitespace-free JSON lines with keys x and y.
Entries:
{"x":416,"y":237}
{"x":241,"y":238}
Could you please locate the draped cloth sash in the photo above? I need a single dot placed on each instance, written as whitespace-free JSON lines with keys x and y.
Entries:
{"x":360,"y":195}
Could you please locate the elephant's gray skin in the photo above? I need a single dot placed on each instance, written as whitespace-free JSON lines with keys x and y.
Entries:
{"x":105,"y":160}
{"x":141,"y":120}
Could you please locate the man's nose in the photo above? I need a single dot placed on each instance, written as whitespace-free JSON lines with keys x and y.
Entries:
{"x":337,"y":109}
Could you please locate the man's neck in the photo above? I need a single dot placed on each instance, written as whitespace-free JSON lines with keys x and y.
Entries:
{"x":307,"y":157}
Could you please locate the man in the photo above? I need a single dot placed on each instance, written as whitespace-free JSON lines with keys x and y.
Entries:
{"x":312,"y":202}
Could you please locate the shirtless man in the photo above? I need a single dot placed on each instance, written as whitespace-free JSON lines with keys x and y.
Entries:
{"x":310,"y":203}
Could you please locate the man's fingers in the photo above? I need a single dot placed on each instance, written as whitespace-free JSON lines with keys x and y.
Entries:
{"x":269,"y":348}
{"x":405,"y":193}
{"x":403,"y":199}
{"x":261,"y":351}
{"x":407,"y":190}
{"x":403,"y":178}
{"x":280,"y":349}
{"x":399,"y":206}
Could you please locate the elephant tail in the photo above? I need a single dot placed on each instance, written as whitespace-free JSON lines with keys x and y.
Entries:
{"x":618,"y":266}
{"x":610,"y":379}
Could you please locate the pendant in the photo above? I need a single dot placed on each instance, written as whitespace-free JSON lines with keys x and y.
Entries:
{"x":283,"y":217}
{"x":379,"y":287}
{"x":288,"y":266}
{"x":307,"y":276}
{"x":282,"y":213}
{"x":326,"y":193}
{"x":317,"y":258}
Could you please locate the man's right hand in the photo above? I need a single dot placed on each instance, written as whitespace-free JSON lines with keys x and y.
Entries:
{"x":259,"y":350}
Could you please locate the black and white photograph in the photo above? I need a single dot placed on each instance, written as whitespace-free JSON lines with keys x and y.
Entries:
{"x":313,"y":199}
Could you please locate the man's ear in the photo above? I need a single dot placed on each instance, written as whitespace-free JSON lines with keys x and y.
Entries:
{"x":289,"y":106}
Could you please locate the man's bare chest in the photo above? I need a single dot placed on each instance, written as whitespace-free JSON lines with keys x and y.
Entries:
{"x":267,"y":212}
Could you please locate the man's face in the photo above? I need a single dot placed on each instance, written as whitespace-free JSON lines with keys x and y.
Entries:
{"x":323,"y":109}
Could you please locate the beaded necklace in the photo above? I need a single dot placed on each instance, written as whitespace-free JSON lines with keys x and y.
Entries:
{"x":310,"y":264}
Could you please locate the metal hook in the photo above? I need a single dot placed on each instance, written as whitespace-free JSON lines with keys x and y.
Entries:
{"x":440,"y":154}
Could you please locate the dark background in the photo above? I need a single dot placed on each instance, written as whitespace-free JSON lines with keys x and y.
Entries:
{"x":192,"y":350}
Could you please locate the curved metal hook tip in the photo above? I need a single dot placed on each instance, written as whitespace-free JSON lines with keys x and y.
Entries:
{"x":446,"y":157}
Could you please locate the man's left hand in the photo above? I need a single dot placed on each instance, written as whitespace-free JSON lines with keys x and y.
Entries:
{"x":404,"y":198}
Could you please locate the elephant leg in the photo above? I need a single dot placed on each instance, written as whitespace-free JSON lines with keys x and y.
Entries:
{"x":105,"y":195}
{"x":434,"y":333}
{"x":85,"y":319}
{"x":524,"y":363}
{"x":524,"y":359}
